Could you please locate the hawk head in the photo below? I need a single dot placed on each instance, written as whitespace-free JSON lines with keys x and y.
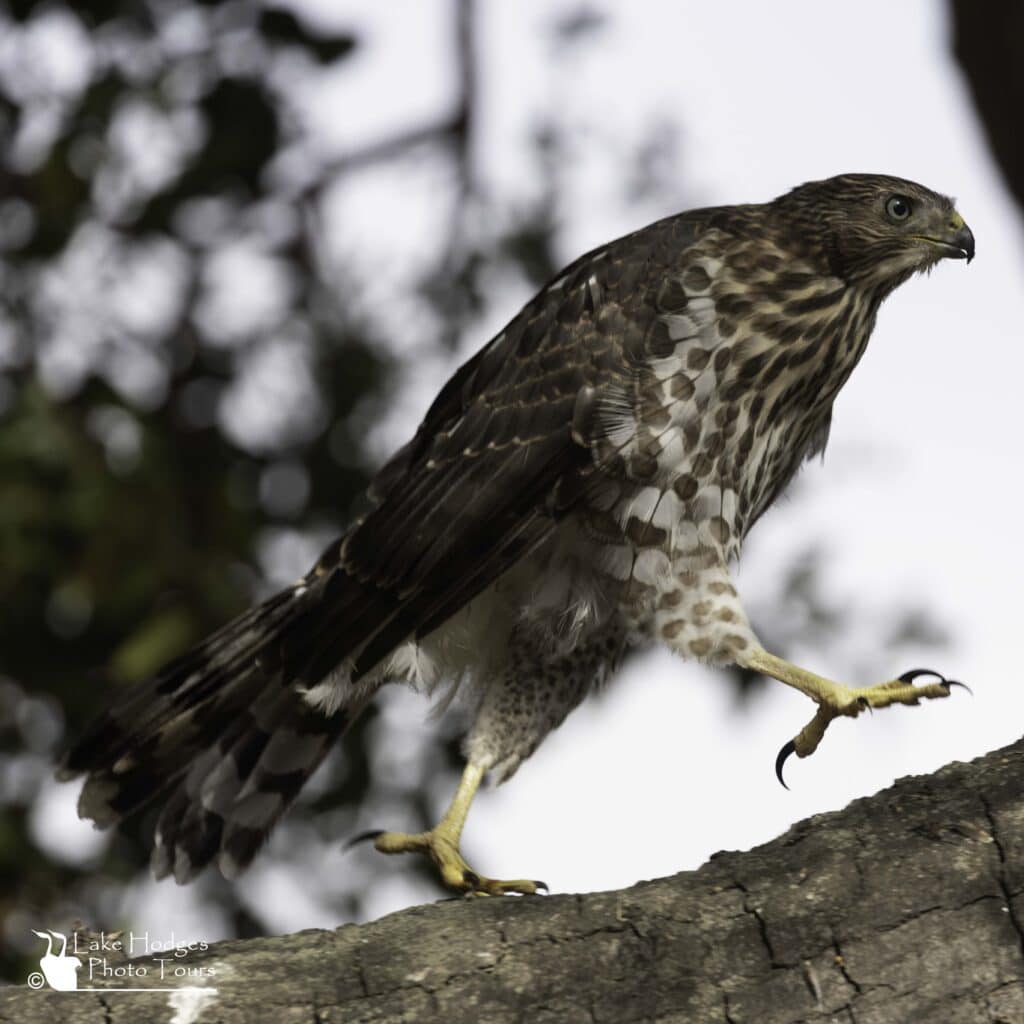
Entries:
{"x":873,"y":230}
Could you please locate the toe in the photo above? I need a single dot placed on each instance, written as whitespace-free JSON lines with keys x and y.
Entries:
{"x":455,"y":873}
{"x":523,"y":886}
{"x":505,"y":887}
{"x":401,"y":842}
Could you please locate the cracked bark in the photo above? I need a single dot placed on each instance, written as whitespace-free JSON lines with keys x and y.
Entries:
{"x":904,"y":907}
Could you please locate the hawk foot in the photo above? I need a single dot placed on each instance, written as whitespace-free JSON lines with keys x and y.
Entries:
{"x":896,"y":691}
{"x":455,"y":873}
{"x":839,"y":701}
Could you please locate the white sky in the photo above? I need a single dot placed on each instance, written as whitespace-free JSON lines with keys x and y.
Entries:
{"x":919,"y":494}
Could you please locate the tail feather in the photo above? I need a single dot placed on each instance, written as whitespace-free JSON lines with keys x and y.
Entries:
{"x":222,"y":738}
{"x":158,"y":708}
{"x":229,"y":800}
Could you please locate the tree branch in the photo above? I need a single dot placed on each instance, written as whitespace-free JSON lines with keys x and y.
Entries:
{"x":988,"y":43}
{"x":904,"y":907}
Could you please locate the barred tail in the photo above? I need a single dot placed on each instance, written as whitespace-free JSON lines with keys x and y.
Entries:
{"x":225,"y":805}
{"x":222,"y":738}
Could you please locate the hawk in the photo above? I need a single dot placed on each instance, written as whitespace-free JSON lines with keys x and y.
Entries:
{"x":580,"y":485}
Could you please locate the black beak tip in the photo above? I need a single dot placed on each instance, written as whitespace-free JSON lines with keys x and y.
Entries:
{"x":965,"y":239}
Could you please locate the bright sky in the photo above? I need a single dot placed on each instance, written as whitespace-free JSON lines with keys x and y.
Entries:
{"x":919,"y":493}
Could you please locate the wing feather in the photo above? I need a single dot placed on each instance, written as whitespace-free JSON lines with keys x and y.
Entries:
{"x":500,"y":457}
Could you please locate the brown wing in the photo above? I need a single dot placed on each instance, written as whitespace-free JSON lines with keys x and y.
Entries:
{"x":502,"y":455}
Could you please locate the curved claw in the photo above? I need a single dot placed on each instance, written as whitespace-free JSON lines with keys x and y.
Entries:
{"x":542,"y":885}
{"x":911,"y":674}
{"x":780,"y":761}
{"x":363,"y":837}
{"x":963,"y":686}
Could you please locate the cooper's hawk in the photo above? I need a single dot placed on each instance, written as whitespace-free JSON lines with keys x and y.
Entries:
{"x":580,"y":485}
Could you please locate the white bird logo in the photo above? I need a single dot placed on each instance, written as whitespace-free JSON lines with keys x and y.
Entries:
{"x":60,"y":971}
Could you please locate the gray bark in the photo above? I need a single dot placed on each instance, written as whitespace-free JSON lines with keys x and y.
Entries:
{"x":904,"y":907}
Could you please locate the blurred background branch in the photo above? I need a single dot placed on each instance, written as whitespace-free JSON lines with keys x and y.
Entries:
{"x":988,"y":40}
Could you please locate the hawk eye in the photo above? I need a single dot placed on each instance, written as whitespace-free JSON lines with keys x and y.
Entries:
{"x":898,"y":207}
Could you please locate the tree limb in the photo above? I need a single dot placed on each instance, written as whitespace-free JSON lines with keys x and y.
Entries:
{"x":988,"y":43}
{"x":904,"y":907}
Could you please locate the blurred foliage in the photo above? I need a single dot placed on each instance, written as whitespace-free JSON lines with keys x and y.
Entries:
{"x":187,"y":371}
{"x":137,"y":515}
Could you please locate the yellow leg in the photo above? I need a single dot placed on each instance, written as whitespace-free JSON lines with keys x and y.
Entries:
{"x":441,"y":845}
{"x":835,"y":700}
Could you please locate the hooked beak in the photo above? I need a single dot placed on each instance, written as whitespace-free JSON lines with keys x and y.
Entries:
{"x":965,"y":241}
{"x":957,"y":240}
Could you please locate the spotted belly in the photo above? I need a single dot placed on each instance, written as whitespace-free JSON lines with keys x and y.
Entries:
{"x":666,"y":560}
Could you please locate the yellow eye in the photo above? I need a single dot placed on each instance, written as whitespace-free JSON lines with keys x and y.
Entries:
{"x":898,"y":207}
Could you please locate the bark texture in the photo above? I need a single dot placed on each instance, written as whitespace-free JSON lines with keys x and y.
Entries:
{"x":904,"y":907}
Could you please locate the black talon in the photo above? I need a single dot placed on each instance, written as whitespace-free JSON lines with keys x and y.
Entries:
{"x":963,"y":686}
{"x":914,"y":673}
{"x":542,"y":885}
{"x":363,"y":837}
{"x":780,"y":761}
{"x":911,"y":674}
